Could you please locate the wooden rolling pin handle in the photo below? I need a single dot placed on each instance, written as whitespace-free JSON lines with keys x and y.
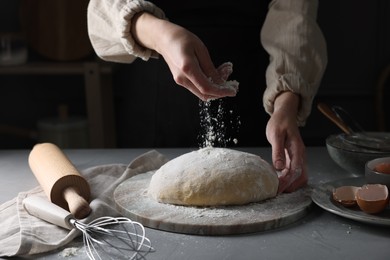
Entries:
{"x":56,"y":173}
{"x":78,"y":206}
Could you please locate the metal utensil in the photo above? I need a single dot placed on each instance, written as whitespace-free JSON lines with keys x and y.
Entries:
{"x":104,"y":237}
{"x":355,"y":134}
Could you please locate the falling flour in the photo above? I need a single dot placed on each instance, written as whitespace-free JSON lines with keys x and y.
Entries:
{"x":217,"y":124}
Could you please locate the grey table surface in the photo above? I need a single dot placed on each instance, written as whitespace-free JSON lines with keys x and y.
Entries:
{"x":319,"y":235}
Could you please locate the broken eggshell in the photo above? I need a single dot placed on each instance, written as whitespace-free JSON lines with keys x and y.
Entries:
{"x":345,"y":195}
{"x":372,"y":198}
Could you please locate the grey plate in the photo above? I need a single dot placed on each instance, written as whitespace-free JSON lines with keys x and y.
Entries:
{"x":322,"y":196}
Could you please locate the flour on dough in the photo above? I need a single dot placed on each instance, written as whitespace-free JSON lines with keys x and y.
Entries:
{"x":214,"y":177}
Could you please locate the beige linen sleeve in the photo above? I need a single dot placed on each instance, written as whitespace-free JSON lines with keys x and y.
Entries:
{"x":109,"y":24}
{"x":297,"y":52}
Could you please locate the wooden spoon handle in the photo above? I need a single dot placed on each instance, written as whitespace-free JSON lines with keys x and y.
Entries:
{"x":325,"y":109}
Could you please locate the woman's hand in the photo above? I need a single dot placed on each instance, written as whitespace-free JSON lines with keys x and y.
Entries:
{"x":186,"y":55}
{"x":288,"y":149}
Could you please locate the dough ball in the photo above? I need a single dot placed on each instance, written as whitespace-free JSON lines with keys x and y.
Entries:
{"x":214,"y":177}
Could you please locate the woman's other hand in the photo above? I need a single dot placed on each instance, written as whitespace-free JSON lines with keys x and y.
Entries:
{"x":288,"y":149}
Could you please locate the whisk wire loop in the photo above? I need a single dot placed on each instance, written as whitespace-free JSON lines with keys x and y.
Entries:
{"x":116,"y":234}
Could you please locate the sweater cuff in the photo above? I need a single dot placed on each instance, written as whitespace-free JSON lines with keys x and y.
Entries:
{"x":294,"y":84}
{"x":128,"y":41}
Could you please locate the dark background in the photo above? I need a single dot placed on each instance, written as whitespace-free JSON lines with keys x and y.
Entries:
{"x":151,"y":111}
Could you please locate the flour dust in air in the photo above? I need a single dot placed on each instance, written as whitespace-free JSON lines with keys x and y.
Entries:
{"x":218,"y":125}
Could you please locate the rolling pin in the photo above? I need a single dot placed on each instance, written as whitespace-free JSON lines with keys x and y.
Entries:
{"x":60,"y":180}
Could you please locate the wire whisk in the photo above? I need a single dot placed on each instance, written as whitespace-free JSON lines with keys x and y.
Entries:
{"x":103,"y":238}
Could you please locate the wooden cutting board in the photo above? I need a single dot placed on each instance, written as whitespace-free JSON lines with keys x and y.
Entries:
{"x":132,"y":201}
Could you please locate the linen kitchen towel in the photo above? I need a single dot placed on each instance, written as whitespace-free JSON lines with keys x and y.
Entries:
{"x":23,"y":234}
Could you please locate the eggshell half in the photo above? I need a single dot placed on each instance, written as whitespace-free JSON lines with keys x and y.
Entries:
{"x":372,"y":198}
{"x":345,"y":195}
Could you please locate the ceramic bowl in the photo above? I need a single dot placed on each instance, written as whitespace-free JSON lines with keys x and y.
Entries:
{"x":350,"y":157}
{"x":375,"y":172}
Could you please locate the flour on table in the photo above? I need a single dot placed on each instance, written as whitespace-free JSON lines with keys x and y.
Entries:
{"x":70,"y":252}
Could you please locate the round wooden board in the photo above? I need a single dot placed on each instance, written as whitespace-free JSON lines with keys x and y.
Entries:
{"x":132,"y":201}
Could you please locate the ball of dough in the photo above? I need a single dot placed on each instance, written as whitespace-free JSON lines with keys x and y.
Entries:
{"x":214,"y":177}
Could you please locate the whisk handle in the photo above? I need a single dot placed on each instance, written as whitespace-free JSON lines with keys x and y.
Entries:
{"x":50,"y":212}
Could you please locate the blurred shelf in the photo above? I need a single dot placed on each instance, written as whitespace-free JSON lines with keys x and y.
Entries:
{"x":53,"y":68}
{"x":98,"y":89}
